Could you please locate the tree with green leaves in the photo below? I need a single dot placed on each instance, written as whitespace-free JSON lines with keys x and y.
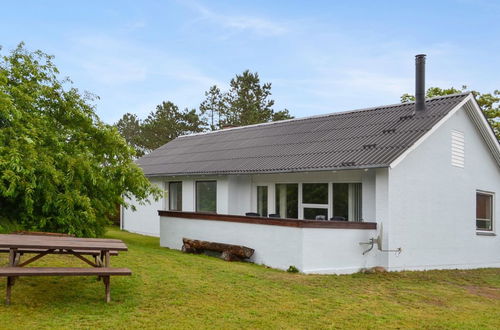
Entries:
{"x":61,"y":168}
{"x":167,"y":123}
{"x":247,"y":102}
{"x":213,"y":107}
{"x":489,"y":103}
{"x":130,"y":128}
{"x":161,"y":126}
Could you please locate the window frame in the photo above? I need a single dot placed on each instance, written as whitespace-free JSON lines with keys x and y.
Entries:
{"x":273,"y":208}
{"x":299,"y":198}
{"x":170,"y":195}
{"x":322,"y":206}
{"x":196,"y":196}
{"x":315,"y":183}
{"x":351,"y":199}
{"x":492,"y":201}
{"x":266,"y":201}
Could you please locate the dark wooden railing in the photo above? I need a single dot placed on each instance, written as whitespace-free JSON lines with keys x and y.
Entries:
{"x":269,"y":221}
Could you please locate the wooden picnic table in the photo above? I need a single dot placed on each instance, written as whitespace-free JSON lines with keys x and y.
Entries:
{"x":42,"y":245}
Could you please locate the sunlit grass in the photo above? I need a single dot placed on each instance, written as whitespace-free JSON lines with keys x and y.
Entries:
{"x":170,"y":289}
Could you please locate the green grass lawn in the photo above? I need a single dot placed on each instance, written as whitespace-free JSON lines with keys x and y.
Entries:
{"x":170,"y":289}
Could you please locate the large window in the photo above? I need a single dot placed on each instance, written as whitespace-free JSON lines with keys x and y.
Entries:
{"x":347,"y":201}
{"x":484,"y":211}
{"x":206,"y":196}
{"x":287,"y":200}
{"x":315,"y":201}
{"x":262,"y":200}
{"x":319,"y":201}
{"x":175,"y":196}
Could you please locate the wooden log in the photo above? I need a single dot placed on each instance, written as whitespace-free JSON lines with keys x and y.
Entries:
{"x":228,"y":256}
{"x":229,"y":250}
{"x":189,"y":249}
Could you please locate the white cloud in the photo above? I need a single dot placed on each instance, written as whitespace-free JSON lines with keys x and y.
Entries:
{"x":337,"y":73}
{"x":375,"y":82}
{"x":115,"y":61}
{"x":106,"y":60}
{"x":133,"y":77}
{"x":238,"y":22}
{"x":113,"y":71}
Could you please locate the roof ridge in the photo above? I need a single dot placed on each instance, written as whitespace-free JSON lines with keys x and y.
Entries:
{"x":323,"y":115}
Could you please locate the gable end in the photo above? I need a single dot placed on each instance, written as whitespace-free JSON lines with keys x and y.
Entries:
{"x":475,"y":113}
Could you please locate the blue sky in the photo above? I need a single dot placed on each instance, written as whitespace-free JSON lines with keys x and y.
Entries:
{"x":321,"y":56}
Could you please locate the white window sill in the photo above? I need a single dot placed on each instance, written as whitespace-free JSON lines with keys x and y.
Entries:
{"x":485,"y":233}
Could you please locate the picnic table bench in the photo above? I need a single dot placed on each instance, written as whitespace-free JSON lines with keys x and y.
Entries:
{"x":42,"y":245}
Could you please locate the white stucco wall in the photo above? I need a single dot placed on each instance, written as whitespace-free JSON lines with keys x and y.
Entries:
{"x":236,"y":194}
{"x":144,"y":220}
{"x":336,"y":251}
{"x":222,"y":195}
{"x":188,"y":194}
{"x":382,"y":215}
{"x":368,"y":184}
{"x":240,"y":194}
{"x":311,"y":250}
{"x":432,"y":204}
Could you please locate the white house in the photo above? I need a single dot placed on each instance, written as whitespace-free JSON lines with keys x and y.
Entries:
{"x":420,"y":179}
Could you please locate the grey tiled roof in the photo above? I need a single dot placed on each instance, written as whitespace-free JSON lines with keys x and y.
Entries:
{"x":348,"y":140}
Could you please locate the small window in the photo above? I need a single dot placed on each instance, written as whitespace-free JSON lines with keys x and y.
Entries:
{"x":175,"y":196}
{"x":206,"y":196}
{"x":484,"y":211}
{"x":262,"y":200}
{"x":287,"y":200}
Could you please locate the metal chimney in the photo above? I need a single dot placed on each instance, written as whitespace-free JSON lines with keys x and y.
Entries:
{"x":420,"y":82}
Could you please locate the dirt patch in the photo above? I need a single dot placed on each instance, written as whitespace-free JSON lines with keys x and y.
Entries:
{"x":492,"y":293}
{"x":435,"y":302}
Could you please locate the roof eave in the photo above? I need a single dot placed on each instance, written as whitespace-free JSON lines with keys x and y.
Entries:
{"x":478,"y":117}
{"x":329,"y":169}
